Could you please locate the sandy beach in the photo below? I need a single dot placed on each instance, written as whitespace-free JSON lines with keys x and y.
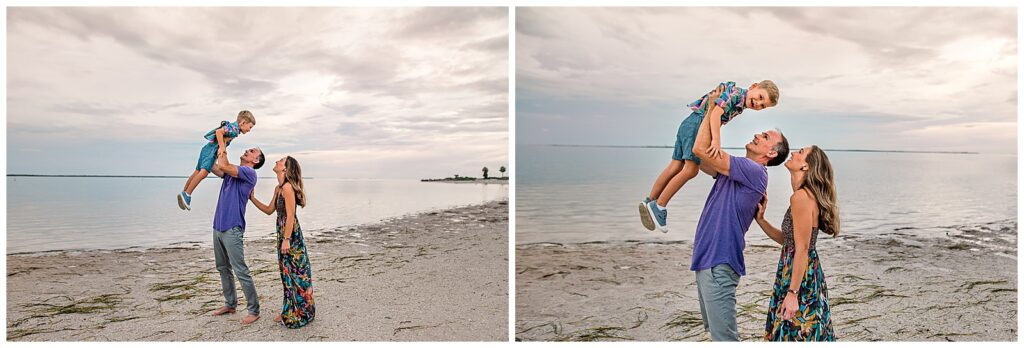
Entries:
{"x":958,"y":286}
{"x":435,"y":276}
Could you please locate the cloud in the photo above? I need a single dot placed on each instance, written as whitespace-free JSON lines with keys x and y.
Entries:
{"x":317,"y":79}
{"x":624,"y":75}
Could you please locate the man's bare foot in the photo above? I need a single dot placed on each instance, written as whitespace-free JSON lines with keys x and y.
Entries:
{"x":277,"y":319}
{"x":224,"y":310}
{"x":249,"y":319}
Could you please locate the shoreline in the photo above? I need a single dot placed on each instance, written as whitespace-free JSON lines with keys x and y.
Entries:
{"x":267,"y":236}
{"x":954,"y":288}
{"x":386,"y":281}
{"x":478,"y":181}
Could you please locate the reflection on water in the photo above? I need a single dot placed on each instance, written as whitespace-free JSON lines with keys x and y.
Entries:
{"x":105,"y":213}
{"x":577,"y":194}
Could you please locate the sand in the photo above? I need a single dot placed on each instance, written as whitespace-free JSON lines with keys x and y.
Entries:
{"x":436,"y":276}
{"x":896,"y":286}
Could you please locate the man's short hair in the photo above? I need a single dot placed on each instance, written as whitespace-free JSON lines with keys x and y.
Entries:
{"x":259,"y":161}
{"x":782,"y":150}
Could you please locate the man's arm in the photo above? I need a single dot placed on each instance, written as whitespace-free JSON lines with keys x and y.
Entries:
{"x":225,"y":167}
{"x":703,"y":142}
{"x":708,"y":169}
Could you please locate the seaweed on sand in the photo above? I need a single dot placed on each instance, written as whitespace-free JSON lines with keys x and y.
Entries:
{"x":596,"y":333}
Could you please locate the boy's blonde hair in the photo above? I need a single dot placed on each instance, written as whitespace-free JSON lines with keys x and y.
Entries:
{"x":247,"y":116}
{"x":773,"y":91}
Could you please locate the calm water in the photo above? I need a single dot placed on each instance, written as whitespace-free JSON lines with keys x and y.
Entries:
{"x":107,"y":213}
{"x":576,"y":194}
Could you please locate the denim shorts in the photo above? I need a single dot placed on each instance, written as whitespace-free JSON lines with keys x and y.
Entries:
{"x":207,"y":156}
{"x":685,"y":137}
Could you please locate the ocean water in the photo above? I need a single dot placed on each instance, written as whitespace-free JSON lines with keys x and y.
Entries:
{"x":46,"y":213}
{"x":584,"y":194}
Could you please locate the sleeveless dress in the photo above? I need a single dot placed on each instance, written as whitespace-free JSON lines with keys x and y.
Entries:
{"x":296,"y":275}
{"x":813,"y":321}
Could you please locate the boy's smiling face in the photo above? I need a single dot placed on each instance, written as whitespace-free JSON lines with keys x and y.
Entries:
{"x":757,"y":98}
{"x":244,"y":126}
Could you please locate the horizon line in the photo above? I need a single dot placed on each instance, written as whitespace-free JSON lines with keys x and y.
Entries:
{"x":740,"y":148}
{"x":122,"y":176}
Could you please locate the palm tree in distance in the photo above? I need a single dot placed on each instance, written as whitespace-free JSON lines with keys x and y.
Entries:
{"x":485,"y":172}
{"x":502,"y":170}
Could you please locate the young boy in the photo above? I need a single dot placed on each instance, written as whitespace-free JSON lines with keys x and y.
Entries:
{"x":730,"y":102}
{"x":218,"y":140}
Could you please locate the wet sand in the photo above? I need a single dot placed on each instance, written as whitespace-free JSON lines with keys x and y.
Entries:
{"x":896,"y":286}
{"x":436,"y":276}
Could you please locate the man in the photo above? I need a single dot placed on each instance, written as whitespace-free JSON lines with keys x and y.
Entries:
{"x":740,"y":182}
{"x":229,"y":228}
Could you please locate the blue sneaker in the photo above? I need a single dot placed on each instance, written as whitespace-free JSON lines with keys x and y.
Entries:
{"x":660,"y":216}
{"x":184,"y":201}
{"x":645,"y":217}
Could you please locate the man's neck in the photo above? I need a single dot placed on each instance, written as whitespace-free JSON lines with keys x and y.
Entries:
{"x":762,"y":160}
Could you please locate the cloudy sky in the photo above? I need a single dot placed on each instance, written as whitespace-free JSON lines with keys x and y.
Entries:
{"x":351,"y":93}
{"x":932,"y":79}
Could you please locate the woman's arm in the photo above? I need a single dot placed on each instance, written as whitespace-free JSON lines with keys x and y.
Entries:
{"x":772,"y":232}
{"x":265,"y":208}
{"x":803,"y":218}
{"x":289,"y":209}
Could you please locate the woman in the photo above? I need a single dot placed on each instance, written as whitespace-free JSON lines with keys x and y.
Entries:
{"x":296,"y":274}
{"x":799,"y":309}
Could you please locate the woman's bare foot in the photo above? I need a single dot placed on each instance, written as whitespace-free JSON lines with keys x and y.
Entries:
{"x":277,"y":319}
{"x":224,"y":310}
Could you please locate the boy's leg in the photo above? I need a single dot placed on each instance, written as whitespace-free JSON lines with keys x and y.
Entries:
{"x":670,"y":171}
{"x":185,"y":199}
{"x":189,"y":181}
{"x":193,"y":183}
{"x":690,"y":169}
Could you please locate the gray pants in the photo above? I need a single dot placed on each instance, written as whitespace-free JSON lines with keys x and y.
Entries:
{"x":229,"y":254}
{"x":716,"y":291}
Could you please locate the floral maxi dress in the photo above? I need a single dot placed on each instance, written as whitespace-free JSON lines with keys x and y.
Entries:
{"x":296,"y":275}
{"x":813,"y":321}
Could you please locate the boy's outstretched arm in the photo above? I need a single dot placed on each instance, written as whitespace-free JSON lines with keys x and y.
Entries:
{"x":715,"y":112}
{"x":715,"y":148}
{"x":221,"y":147}
{"x":702,"y":145}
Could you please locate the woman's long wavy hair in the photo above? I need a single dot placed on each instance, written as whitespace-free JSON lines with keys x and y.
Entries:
{"x":821,"y":183}
{"x":293,"y":176}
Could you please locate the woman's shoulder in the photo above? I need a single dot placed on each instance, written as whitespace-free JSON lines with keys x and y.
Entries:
{"x":286,"y":188}
{"x":801,"y":197}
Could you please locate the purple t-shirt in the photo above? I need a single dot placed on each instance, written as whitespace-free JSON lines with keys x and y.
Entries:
{"x":727,"y":215}
{"x":234,"y":196}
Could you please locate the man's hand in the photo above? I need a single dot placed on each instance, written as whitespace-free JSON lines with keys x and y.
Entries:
{"x":221,"y":151}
